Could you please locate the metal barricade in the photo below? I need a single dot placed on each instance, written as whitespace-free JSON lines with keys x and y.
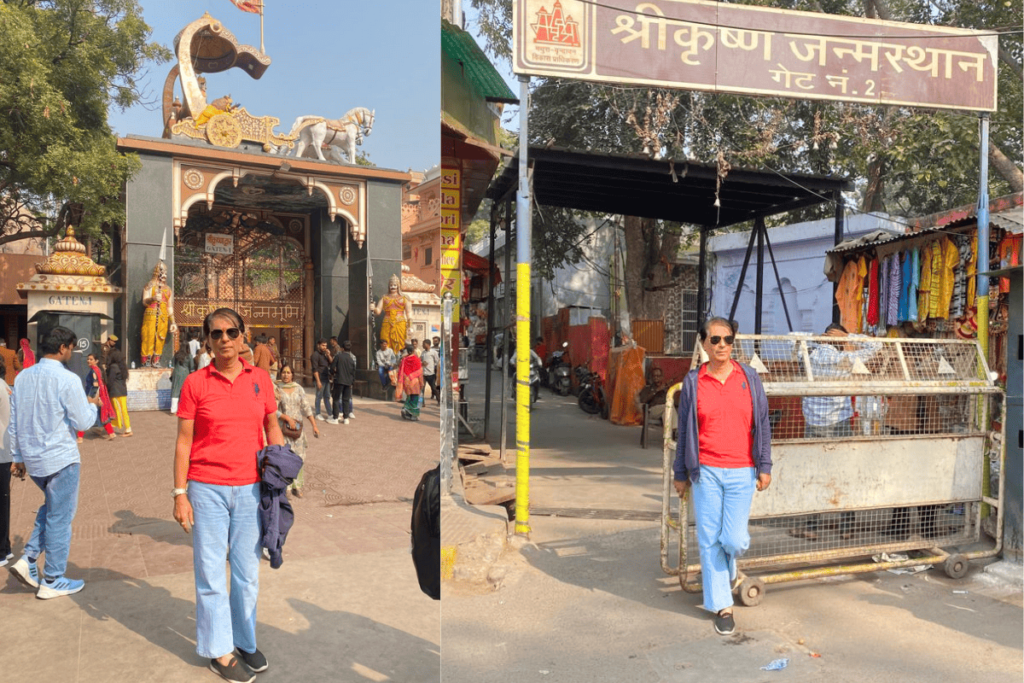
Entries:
{"x":908,"y":472}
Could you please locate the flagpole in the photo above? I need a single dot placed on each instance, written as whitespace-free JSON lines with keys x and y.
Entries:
{"x":262,"y":49}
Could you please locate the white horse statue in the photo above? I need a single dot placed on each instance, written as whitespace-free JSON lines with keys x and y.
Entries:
{"x":339,"y":136}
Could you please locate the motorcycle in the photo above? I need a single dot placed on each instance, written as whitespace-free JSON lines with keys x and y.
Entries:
{"x":559,"y":371}
{"x":592,"y":398}
{"x":535,"y":368}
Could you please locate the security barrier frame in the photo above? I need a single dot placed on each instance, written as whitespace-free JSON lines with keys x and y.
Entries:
{"x":950,"y":373}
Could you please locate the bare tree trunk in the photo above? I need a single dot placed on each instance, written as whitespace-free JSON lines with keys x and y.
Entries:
{"x":648,"y":266}
{"x":1006,"y":168}
{"x":876,"y":186}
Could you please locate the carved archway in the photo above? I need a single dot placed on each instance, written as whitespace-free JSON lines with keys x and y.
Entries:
{"x":233,"y":258}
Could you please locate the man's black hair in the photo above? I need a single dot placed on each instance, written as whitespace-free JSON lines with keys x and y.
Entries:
{"x":347,"y":345}
{"x":55,"y":338}
{"x":836,"y":326}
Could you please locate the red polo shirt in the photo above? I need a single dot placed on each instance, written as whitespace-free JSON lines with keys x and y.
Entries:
{"x":725,"y":415}
{"x":228,"y":428}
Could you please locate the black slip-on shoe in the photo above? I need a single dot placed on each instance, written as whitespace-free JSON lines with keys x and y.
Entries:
{"x":725,"y":625}
{"x":234,"y":671}
{"x":254,"y":660}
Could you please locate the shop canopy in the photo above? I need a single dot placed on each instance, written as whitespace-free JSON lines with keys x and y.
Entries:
{"x":480,"y":265}
{"x":676,"y":190}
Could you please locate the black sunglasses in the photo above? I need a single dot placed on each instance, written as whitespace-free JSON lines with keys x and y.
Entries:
{"x":232,"y":333}
{"x":729,"y":339}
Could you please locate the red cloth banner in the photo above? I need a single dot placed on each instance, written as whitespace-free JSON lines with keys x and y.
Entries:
{"x":254,"y":6}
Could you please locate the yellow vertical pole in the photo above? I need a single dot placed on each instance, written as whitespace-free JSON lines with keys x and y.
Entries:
{"x":983,"y":267}
{"x":523,"y":237}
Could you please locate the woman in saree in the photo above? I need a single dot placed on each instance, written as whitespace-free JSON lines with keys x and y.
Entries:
{"x":410,"y":383}
{"x":95,"y":386}
{"x":25,"y":355}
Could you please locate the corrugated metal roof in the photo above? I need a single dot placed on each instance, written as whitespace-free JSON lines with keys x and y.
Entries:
{"x":1011,"y":220}
{"x":461,"y":47}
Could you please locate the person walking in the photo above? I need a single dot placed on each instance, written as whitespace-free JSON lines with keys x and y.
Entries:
{"x":222,"y":415}
{"x":723,"y":453}
{"x":386,"y":361}
{"x":6,"y":554}
{"x":10,"y":358}
{"x":320,"y":362}
{"x":182,"y":368}
{"x":275,"y":356}
{"x":205,"y":357}
{"x":292,"y":407}
{"x":410,"y":383}
{"x":193,"y":345}
{"x":261,"y":355}
{"x":26,"y":358}
{"x":343,"y":373}
{"x":49,"y":407}
{"x":431,"y":361}
{"x":117,"y":385}
{"x":96,"y":387}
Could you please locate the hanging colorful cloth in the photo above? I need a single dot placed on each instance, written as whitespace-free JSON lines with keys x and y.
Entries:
{"x":893,"y":308}
{"x":872,"y":319}
{"x":1009,"y":255}
{"x":915,"y":283}
{"x":883,"y":290}
{"x":972,"y":274}
{"x":848,"y":295}
{"x":958,"y":305}
{"x":906,"y":282}
{"x":950,"y":255}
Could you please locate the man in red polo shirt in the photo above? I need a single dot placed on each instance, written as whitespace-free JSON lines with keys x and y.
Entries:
{"x":723,"y":452}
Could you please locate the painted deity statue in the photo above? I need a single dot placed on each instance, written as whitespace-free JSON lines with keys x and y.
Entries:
{"x":158,"y":299}
{"x":397,"y":310}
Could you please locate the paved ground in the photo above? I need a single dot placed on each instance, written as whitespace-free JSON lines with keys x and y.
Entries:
{"x":344,"y":606}
{"x":586,"y":599}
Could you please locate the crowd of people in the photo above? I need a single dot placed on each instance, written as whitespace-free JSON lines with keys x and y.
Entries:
{"x":231,"y":401}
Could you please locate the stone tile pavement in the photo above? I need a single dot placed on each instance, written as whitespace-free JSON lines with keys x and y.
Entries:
{"x":345,"y":604}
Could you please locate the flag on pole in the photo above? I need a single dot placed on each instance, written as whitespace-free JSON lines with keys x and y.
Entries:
{"x":254,"y":6}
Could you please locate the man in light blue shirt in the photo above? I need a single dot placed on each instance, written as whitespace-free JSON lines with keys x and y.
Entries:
{"x":48,"y":408}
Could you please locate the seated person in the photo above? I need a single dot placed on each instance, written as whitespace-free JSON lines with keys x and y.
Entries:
{"x":653,"y":395}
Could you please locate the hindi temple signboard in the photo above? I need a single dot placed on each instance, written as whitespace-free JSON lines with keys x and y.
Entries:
{"x":748,"y":50}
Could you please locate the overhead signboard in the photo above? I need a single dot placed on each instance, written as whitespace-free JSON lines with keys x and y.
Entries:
{"x":745,"y":50}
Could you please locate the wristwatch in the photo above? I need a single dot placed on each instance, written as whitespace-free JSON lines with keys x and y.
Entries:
{"x":177,"y":492}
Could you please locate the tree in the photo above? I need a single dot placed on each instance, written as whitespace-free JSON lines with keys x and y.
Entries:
{"x":905,"y":161}
{"x":63,"y":63}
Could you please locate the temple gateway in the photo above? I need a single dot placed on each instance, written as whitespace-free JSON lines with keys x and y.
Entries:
{"x":223,"y":213}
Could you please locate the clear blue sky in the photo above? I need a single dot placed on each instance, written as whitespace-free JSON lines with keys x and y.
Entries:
{"x":328,"y":57}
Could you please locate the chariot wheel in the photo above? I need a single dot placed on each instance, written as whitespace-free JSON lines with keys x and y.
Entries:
{"x":223,"y":130}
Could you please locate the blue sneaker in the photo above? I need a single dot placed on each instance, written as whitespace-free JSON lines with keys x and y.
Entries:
{"x":55,"y":588}
{"x":26,"y":572}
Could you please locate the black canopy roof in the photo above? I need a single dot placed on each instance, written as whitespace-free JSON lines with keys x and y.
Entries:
{"x":683,"y":191}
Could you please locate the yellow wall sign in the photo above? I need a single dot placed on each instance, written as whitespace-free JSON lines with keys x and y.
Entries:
{"x":451,"y":236}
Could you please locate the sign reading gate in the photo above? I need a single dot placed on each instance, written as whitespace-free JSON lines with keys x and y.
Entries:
{"x":219,"y":244}
{"x":747,"y":50}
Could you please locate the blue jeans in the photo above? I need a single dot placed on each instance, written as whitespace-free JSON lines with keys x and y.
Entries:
{"x":52,"y":532}
{"x":721,"y":503}
{"x":227,"y":526}
{"x":324,"y":392}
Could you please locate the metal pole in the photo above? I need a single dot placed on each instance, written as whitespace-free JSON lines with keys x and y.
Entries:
{"x":449,"y":444}
{"x":743,"y":274}
{"x":778,"y":280}
{"x":759,"y":282}
{"x":983,"y":236}
{"x":488,"y":343}
{"x":982,"y":286}
{"x":702,"y":265}
{"x":523,"y":234}
{"x":837,"y":197}
{"x":507,"y":305}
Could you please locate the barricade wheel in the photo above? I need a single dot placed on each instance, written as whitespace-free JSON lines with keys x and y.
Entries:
{"x":956,"y":566}
{"x":751,"y":591}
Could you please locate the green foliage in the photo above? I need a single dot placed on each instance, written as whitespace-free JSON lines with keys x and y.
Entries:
{"x":926,"y":160}
{"x":63,"y":63}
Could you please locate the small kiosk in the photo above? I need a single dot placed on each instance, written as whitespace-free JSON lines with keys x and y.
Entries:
{"x":71,"y":290}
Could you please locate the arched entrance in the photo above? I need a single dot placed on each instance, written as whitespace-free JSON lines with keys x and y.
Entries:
{"x":239,"y":259}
